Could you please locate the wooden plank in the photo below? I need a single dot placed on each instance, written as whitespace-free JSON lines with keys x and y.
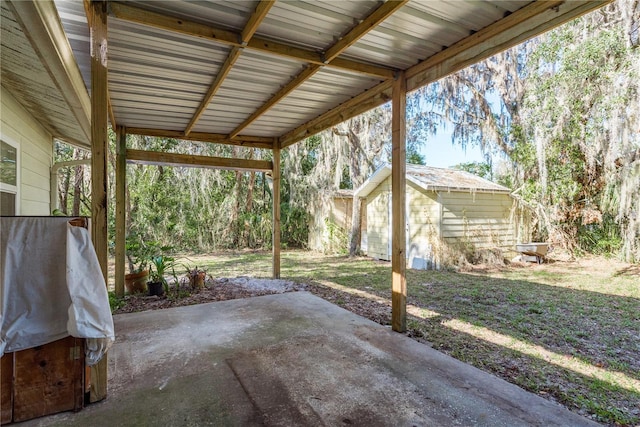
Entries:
{"x":217,"y":82}
{"x":377,"y":16}
{"x":306,"y":74}
{"x":254,"y":21}
{"x":99,"y":155}
{"x":261,"y":11}
{"x":275,"y":175}
{"x":521,"y":25}
{"x":360,"y":30}
{"x":6,"y":388}
{"x":398,"y":201}
{"x":47,"y":379}
{"x":195,"y":29}
{"x":362,"y":68}
{"x":121,"y":182}
{"x":214,"y":138}
{"x":366,"y":101}
{"x":112,"y":116}
{"x":189,"y":160}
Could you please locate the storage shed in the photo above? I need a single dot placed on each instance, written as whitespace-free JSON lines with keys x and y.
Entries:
{"x":449,"y":212}
{"x":330,"y":222}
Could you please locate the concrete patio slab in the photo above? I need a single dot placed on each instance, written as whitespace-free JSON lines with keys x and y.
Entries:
{"x":293,"y":359}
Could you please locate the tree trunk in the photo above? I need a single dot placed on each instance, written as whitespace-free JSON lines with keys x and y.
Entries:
{"x":77,"y":189}
{"x":247,"y":225}
{"x":356,"y":227}
{"x":63,"y":190}
{"x":357,"y":179}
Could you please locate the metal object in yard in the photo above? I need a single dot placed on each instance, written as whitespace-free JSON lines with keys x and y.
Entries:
{"x":535,"y":249}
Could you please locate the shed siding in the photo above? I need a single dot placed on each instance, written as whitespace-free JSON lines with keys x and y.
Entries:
{"x":36,"y":155}
{"x":423,"y":213}
{"x":330,"y":225}
{"x":378,"y":221}
{"x":483,"y":219}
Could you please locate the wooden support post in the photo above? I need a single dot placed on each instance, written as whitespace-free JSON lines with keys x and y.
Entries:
{"x":398,"y":198}
{"x":99,"y":148}
{"x":275,"y":174}
{"x":121,"y":183}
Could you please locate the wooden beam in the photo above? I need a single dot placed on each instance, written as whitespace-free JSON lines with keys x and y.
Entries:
{"x":195,"y":29}
{"x":99,"y":156}
{"x":112,"y":116}
{"x":521,"y":25}
{"x":275,"y":175}
{"x":121,"y":183}
{"x":214,"y":138}
{"x":254,"y":21}
{"x":45,"y":32}
{"x":233,"y":56}
{"x":261,"y":11}
{"x":375,"y":18}
{"x":173,"y":159}
{"x":398,"y":209}
{"x":360,"y":30}
{"x":279,"y":95}
{"x":366,"y":101}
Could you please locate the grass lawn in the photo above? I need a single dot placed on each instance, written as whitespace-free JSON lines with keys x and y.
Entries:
{"x":568,"y":331}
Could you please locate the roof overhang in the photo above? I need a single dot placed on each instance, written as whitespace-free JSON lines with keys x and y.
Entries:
{"x":40,"y":71}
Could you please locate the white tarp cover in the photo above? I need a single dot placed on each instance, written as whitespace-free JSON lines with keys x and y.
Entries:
{"x":51,"y":286}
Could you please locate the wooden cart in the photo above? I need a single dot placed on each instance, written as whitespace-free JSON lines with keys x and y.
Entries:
{"x":538,"y":250}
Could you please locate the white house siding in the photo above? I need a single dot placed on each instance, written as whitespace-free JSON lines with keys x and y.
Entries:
{"x":378,"y":221}
{"x":36,"y":155}
{"x":483,"y":219}
{"x":423,"y":215}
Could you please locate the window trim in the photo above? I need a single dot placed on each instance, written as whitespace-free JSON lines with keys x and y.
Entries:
{"x":8,"y":188}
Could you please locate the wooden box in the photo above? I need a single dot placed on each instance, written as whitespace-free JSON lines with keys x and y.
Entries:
{"x":42,"y":380}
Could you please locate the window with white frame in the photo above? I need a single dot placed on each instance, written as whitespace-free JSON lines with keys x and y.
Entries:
{"x":9,"y":177}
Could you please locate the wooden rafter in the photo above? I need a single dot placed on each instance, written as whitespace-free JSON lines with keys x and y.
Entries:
{"x":357,"y":32}
{"x":372,"y":98}
{"x":531,"y":21}
{"x":215,"y":138}
{"x":254,"y":21}
{"x":173,"y":159}
{"x":195,"y":29}
{"x":352,"y":36}
{"x":249,"y":30}
{"x":112,"y":116}
{"x":284,"y":91}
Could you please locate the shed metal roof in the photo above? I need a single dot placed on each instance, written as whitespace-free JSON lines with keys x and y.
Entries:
{"x":265,"y":72}
{"x":433,"y":179}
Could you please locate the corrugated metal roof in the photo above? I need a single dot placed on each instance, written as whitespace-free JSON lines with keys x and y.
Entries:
{"x":163,"y":56}
{"x":433,"y":179}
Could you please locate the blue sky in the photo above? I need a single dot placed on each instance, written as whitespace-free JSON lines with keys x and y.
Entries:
{"x":440,"y":152}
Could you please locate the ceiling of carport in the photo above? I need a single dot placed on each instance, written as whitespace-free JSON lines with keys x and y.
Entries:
{"x":242,"y":71}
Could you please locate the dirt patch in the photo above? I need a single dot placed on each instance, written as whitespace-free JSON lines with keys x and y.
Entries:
{"x":220,"y":289}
